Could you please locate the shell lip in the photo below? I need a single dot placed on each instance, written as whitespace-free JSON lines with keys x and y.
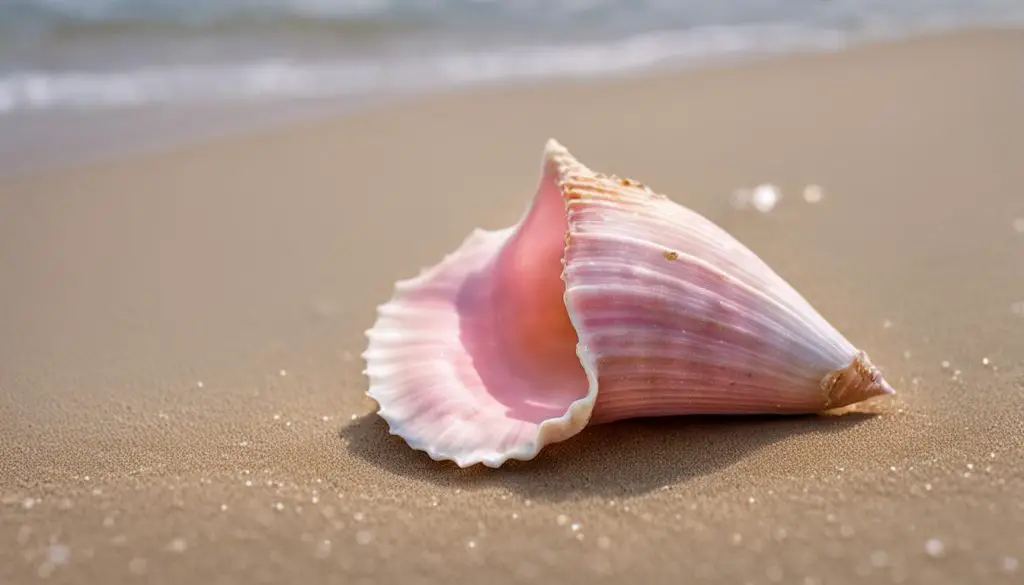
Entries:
{"x":557,"y":163}
{"x":491,"y":452}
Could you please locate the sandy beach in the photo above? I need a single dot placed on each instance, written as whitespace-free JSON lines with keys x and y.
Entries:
{"x":181,"y":396}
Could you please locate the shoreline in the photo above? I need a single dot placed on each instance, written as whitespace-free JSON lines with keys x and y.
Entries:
{"x":70,"y":139}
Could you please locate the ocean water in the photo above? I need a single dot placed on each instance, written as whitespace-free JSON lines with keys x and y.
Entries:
{"x":62,"y":57}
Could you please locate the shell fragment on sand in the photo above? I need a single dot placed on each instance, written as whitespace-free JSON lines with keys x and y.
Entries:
{"x":606,"y":301}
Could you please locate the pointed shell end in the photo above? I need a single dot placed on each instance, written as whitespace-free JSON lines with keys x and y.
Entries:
{"x":857,"y":382}
{"x":560,"y":161}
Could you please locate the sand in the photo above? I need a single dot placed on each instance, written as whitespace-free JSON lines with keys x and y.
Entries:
{"x":180,"y":390}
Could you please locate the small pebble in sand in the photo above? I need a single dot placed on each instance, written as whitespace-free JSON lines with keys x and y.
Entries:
{"x":935,"y":548}
{"x":471,"y":544}
{"x":282,"y":372}
{"x":985,"y":362}
{"x":223,"y":507}
{"x":562,"y":520}
{"x":1018,"y":225}
{"x":765,"y":197}
{"x":28,"y":503}
{"x":945,"y":364}
{"x":200,"y":384}
{"x":813,"y":193}
{"x":886,"y":324}
{"x":1010,"y":565}
{"x":575,"y":527}
{"x":906,"y":354}
{"x":177,"y":545}
{"x":278,"y":506}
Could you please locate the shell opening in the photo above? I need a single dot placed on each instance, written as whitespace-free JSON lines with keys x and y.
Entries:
{"x":475,"y":360}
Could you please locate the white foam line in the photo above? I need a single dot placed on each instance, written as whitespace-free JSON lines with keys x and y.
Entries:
{"x":282,"y":79}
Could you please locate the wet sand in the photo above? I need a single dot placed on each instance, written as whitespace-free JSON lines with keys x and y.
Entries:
{"x":180,"y":390}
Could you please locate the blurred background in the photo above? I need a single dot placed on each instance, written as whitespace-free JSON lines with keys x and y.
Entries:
{"x":83,"y":77}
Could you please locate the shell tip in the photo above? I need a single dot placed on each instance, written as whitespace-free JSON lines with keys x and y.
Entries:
{"x":558,"y":158}
{"x":857,"y":382}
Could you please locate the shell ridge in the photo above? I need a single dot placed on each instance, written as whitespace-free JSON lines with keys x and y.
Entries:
{"x":579,"y":238}
{"x":749,"y":267}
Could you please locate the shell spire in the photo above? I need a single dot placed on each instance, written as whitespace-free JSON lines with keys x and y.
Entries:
{"x":605,"y":301}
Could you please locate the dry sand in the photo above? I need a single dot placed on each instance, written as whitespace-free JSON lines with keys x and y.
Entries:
{"x":180,"y":390}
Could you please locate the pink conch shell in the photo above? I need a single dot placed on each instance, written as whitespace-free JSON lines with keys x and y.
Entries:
{"x":606,"y":301}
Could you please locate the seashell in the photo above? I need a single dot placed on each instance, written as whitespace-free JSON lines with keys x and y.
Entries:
{"x":606,"y":301}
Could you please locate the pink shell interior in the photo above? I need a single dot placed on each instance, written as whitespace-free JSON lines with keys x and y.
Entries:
{"x":475,"y":359}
